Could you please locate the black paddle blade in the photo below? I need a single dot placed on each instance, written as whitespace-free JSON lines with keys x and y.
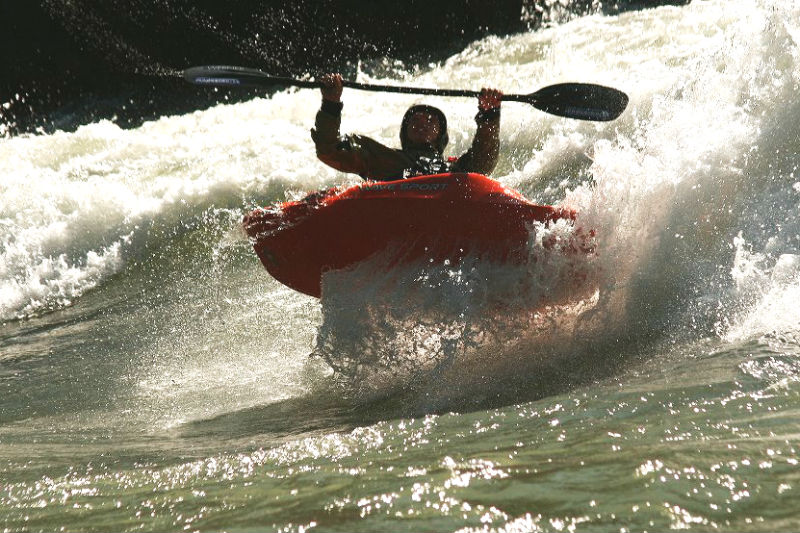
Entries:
{"x":584,"y":101}
{"x":221,"y":75}
{"x":229,"y":76}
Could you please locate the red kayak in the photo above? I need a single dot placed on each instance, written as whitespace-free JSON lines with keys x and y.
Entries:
{"x":431,"y":218}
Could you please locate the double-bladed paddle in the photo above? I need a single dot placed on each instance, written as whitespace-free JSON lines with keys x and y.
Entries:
{"x":585,"y":101}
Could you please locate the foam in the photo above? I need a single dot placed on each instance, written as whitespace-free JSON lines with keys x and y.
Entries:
{"x":75,"y":207}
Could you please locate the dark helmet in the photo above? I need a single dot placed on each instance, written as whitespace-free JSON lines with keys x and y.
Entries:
{"x":434,"y":111}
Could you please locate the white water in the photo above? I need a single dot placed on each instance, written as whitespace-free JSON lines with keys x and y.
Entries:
{"x":706,"y":152}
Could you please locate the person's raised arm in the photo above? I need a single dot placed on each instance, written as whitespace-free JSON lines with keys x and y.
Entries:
{"x":482,"y":155}
{"x":329,"y":116}
{"x":332,"y":148}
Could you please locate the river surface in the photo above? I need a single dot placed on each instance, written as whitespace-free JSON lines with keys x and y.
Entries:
{"x":154,"y":377}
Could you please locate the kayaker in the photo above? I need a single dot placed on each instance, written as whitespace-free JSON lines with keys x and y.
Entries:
{"x":423,"y":137}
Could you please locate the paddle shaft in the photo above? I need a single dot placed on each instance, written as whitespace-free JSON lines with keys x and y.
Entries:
{"x":583,"y":101}
{"x":277,"y":80}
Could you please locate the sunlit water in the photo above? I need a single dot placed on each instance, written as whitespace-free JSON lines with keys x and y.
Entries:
{"x":154,"y":377}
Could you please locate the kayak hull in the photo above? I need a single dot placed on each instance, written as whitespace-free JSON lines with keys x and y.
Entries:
{"x":435,"y":218}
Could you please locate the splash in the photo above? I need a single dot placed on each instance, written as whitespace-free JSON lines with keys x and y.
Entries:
{"x":765,"y":295}
{"x":387,"y":329}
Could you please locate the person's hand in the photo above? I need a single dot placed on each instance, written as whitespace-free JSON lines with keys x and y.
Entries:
{"x":331,"y":87}
{"x":489,"y":99}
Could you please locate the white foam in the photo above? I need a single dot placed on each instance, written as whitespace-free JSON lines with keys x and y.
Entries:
{"x":766,"y":294}
{"x":73,"y":206}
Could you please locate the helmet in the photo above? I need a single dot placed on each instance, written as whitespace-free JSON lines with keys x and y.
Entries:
{"x":434,"y":111}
